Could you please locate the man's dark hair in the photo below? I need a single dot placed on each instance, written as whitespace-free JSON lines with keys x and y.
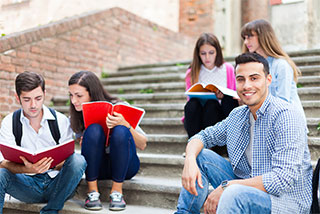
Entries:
{"x":27,"y":81}
{"x":253,"y":57}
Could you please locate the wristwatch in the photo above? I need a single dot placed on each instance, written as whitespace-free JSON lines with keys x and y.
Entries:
{"x":224,"y":184}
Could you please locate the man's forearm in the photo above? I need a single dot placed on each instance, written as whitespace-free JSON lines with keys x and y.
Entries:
{"x":13,"y":167}
{"x":194,"y":147}
{"x":255,"y":182}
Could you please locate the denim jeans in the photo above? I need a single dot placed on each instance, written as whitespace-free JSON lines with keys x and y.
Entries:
{"x":120,"y":164}
{"x":41,"y":188}
{"x":235,"y":198}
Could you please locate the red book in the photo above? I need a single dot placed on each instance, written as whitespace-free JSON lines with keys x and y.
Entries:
{"x":97,"y":112}
{"x":58,"y":153}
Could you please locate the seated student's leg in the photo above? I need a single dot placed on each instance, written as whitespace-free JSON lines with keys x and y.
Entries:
{"x":238,"y":199}
{"x":23,"y":187}
{"x":64,"y":184}
{"x":228,"y":104}
{"x":122,"y":163}
{"x":214,"y":169}
{"x":123,"y":156}
{"x":193,"y":117}
{"x":212,"y":113}
{"x":93,"y":150}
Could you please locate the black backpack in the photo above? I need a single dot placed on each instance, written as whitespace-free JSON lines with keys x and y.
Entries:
{"x":17,"y":126}
{"x":315,"y":187}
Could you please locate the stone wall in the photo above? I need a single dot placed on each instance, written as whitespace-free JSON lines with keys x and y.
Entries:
{"x":100,"y":42}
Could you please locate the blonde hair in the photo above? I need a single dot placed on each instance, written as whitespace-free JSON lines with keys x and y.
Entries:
{"x":268,"y":42}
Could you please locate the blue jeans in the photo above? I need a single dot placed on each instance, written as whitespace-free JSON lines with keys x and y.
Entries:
{"x":235,"y":198}
{"x":40,"y":188}
{"x":121,"y":164}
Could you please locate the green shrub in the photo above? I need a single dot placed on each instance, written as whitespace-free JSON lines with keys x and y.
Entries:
{"x":146,"y":91}
{"x":120,"y":91}
{"x":104,"y":75}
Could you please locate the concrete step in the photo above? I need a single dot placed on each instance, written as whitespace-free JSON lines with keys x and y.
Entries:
{"x":167,"y":126}
{"x":311,"y":108}
{"x":140,"y":87}
{"x":161,"y":165}
{"x":177,"y":68}
{"x":313,"y":124}
{"x":142,"y":191}
{"x":165,"y":97}
{"x":152,"y":78}
{"x":308,"y":52}
{"x":161,"y":64}
{"x":310,"y":70}
{"x":169,"y":110}
{"x":166,"y":144}
{"x":309,"y":93}
{"x":75,"y":206}
{"x":314,"y":147}
{"x":309,"y":81}
{"x":306,"y":60}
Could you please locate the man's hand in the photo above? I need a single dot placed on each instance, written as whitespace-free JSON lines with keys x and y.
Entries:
{"x":190,"y":175}
{"x":211,"y":204}
{"x":41,"y":166}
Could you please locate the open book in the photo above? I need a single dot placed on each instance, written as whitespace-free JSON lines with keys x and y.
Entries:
{"x":58,"y":153}
{"x":202,"y":91}
{"x":97,"y":112}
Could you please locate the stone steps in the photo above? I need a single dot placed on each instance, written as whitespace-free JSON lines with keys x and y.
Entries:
{"x":151,"y":78}
{"x":141,"y":190}
{"x":75,"y":206}
{"x":156,"y":187}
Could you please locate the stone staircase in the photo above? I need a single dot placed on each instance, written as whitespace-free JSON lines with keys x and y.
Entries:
{"x":159,"y":89}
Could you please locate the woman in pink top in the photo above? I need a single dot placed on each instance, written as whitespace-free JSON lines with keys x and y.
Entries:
{"x":207,"y":67}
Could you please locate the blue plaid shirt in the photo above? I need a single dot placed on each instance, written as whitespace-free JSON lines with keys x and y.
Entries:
{"x":279,"y":152}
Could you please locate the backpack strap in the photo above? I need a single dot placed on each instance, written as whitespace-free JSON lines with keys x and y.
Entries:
{"x":315,"y":186}
{"x":17,"y":127}
{"x":54,"y":128}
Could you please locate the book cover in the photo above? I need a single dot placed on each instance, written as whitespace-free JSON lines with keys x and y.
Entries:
{"x":58,"y":153}
{"x":97,"y":112}
{"x":202,"y":91}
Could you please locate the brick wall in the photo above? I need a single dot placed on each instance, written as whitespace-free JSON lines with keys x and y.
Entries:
{"x":196,"y":17}
{"x":101,"y":41}
{"x":252,"y":10}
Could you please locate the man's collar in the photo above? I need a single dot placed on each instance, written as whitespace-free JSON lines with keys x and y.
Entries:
{"x":264,"y":106}
{"x":46,"y":115}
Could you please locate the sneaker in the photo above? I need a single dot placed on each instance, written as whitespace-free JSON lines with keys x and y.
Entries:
{"x":116,"y":201}
{"x":93,"y":202}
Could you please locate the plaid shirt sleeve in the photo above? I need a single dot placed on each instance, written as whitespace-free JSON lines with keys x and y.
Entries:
{"x":213,"y":135}
{"x":289,"y":141}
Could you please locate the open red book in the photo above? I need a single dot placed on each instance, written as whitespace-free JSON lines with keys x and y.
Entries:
{"x":58,"y":153}
{"x":97,"y":112}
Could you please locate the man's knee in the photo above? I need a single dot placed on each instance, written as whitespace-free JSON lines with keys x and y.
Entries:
{"x":4,"y":177}
{"x":240,"y":196}
{"x":206,"y":155}
{"x":76,"y":162}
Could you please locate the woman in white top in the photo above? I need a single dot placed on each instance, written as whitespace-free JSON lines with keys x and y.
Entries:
{"x":208,"y":67}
